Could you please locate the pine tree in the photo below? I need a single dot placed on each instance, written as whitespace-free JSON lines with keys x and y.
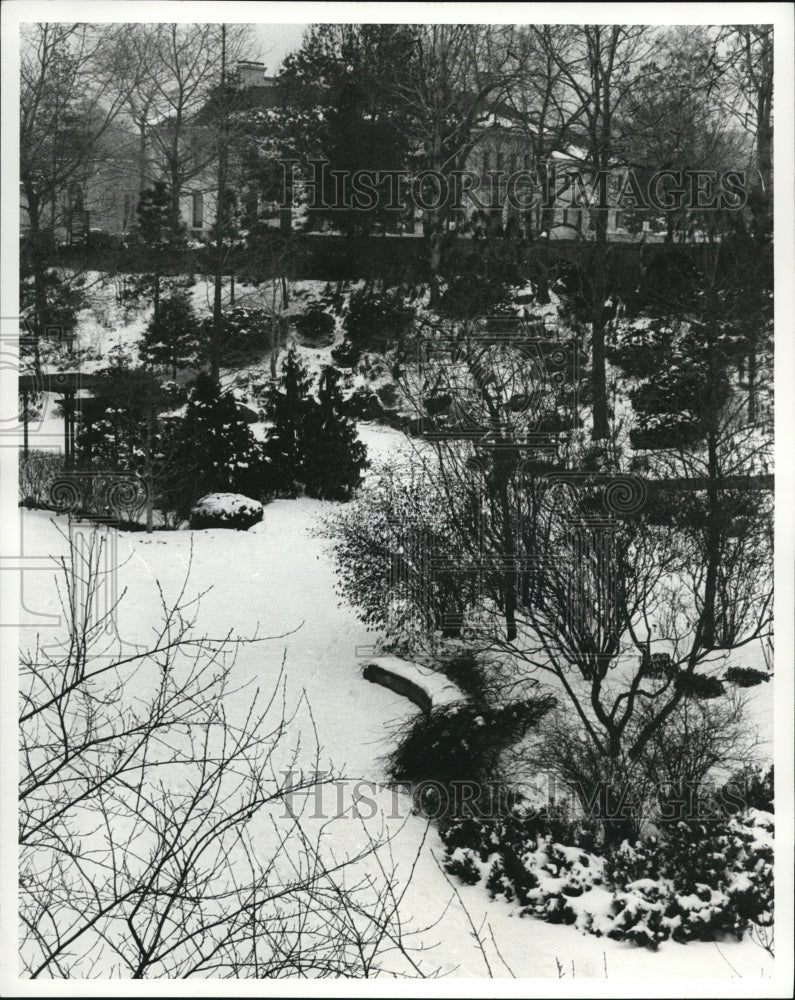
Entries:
{"x":172,"y":337}
{"x":288,"y":410}
{"x":153,"y":227}
{"x":312,"y":445}
{"x":153,"y":217}
{"x":343,"y":84}
{"x":217,"y":450}
{"x":334,"y":457}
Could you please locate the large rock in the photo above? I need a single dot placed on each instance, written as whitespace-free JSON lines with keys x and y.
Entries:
{"x":226,"y":510}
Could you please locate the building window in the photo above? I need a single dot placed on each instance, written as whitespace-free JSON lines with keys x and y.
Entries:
{"x":198,"y":210}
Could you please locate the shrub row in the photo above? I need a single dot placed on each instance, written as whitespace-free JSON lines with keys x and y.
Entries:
{"x":695,"y":881}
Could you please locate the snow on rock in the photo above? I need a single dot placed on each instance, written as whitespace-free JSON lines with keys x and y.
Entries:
{"x":426,"y":688}
{"x":226,"y":510}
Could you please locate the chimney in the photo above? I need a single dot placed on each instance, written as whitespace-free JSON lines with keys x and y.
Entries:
{"x":251,"y":74}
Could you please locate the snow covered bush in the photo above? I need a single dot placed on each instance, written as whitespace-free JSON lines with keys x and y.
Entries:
{"x":380,"y":545}
{"x":315,"y":326}
{"x":287,"y":408}
{"x":226,"y":510}
{"x":387,"y":394}
{"x":463,"y":864}
{"x":471,"y":674}
{"x":364,"y":404}
{"x":376,"y":321}
{"x":245,"y":332}
{"x":460,"y":743}
{"x":529,"y":866}
{"x":482,"y":282}
{"x":641,"y":348}
{"x":699,"y":881}
{"x":63,"y":295}
{"x":699,"y":685}
{"x":750,"y":787}
{"x":658,"y":665}
{"x":36,"y":470}
{"x":746,"y":676}
{"x":346,"y":354}
{"x":123,"y":430}
{"x":334,"y":459}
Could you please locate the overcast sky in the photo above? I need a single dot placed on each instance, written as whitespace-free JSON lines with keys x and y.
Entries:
{"x":274,"y":41}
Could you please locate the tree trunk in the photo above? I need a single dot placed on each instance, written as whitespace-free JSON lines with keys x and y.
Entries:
{"x":215,"y":345}
{"x":286,"y":210}
{"x":148,"y":473}
{"x":764,"y":163}
{"x":509,"y":553}
{"x":176,"y":194}
{"x":141,"y":159}
{"x":599,"y":293}
{"x":220,"y":205}
{"x":764,"y":149}
{"x":435,"y":257}
{"x":274,"y":341}
{"x":712,"y":539}
{"x":618,"y":823}
{"x":752,"y":381}
{"x":39,"y":268}
{"x":156,"y":303}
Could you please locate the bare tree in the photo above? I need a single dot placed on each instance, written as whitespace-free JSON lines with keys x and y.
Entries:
{"x":537,"y":100}
{"x":67,"y":107}
{"x":455,"y":77}
{"x":181,"y":69}
{"x":566,"y":571}
{"x":161,"y":831}
{"x":140,"y":78}
{"x":597,"y":65}
{"x":742,"y":76}
{"x":671,"y":121}
{"x":673,"y":778}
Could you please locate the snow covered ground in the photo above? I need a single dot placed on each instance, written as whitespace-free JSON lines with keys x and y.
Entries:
{"x":276,"y":579}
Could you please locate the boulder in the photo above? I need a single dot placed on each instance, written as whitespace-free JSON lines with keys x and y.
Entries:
{"x":226,"y":510}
